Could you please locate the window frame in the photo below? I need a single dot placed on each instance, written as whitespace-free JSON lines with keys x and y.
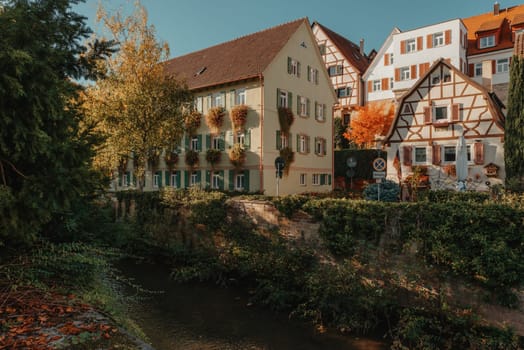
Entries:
{"x":193,"y":143}
{"x":283,"y":98}
{"x":478,"y":69}
{"x":411,"y":45}
{"x":217,"y":100}
{"x":294,"y":67}
{"x":240,"y":179}
{"x":215,"y":180}
{"x":315,"y":179}
{"x":405,"y":73}
{"x":319,"y":112}
{"x":303,"y":106}
{"x":240,"y":96}
{"x":377,"y":85}
{"x":440,"y":119}
{"x":302,"y":181}
{"x":240,"y":137}
{"x":444,"y":154}
{"x":502,"y":65}
{"x":416,"y":160}
{"x":193,"y":179}
{"x":438,"y":39}
{"x":335,"y":70}
{"x":173,"y":180}
{"x":487,"y":41}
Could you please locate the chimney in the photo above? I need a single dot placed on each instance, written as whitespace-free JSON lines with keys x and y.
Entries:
{"x":496,"y":8}
{"x":362,"y":47}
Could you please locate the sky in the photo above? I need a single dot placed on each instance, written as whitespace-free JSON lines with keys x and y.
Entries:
{"x":191,"y":25}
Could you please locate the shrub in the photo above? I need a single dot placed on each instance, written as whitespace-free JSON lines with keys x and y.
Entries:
{"x":389,"y":191}
{"x":191,"y":158}
{"x":213,"y":156}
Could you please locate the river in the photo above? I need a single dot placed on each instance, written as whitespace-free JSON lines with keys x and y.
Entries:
{"x":206,"y":316}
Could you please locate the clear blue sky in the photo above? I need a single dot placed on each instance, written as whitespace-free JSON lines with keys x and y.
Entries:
{"x":191,"y":25}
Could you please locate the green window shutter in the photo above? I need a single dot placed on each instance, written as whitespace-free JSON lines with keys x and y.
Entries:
{"x":289,"y":65}
{"x":308,"y":73}
{"x":199,"y":176}
{"x":159,"y":174}
{"x":247,"y":138}
{"x":316,"y":109}
{"x":322,"y":179}
{"x":209,"y":99}
{"x":324,"y":111}
{"x":120,"y":176}
{"x":199,"y":146}
{"x":186,"y":138}
{"x":167,"y":177}
{"x":279,"y":140}
{"x":178,"y":179}
{"x":128,"y":178}
{"x":221,"y":180}
{"x":316,"y":76}
{"x":246,"y":180}
{"x":329,"y":179}
{"x":186,"y":179}
{"x":208,"y":179}
{"x":278,"y":97}
{"x":298,"y":69}
{"x":324,"y":146}
{"x":290,"y":141}
{"x":308,"y":107}
{"x":308,"y":142}
{"x":231,"y":180}
{"x":289,"y":100}
{"x":232,"y":101}
{"x":298,"y":104}
{"x":134,"y":180}
{"x":221,"y":141}
{"x":224,"y":99}
{"x":298,"y":142}
{"x":208,"y":141}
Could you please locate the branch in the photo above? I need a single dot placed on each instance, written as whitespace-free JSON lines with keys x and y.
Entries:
{"x":13,"y":167}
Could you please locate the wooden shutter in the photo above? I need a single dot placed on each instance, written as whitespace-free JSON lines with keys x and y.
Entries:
{"x":298,"y":69}
{"x":308,"y":141}
{"x":324,"y":146}
{"x":386,"y":59}
{"x":199,"y":142}
{"x":429,"y":41}
{"x":427,"y":115}
{"x":406,"y":155}
{"x":403,"y":47}
{"x":186,"y":179}
{"x":247,"y":139}
{"x":455,"y":112}
{"x":222,"y":141}
{"x":397,"y":74}
{"x":478,"y":149}
{"x":447,"y":37}
{"x":420,"y":43}
{"x":423,"y":68}
{"x":471,"y":69}
{"x":308,"y":107}
{"x":221,"y":180}
{"x":298,"y":106}
{"x":231,"y":180}
{"x":316,"y":76}
{"x":385,"y":83}
{"x":208,"y":141}
{"x":246,"y":180}
{"x":461,"y":38}
{"x":278,"y":97}
{"x":414,"y":71}
{"x":208,"y":179}
{"x":187,"y":139}
{"x":298,"y":143}
{"x":370,"y":86}
{"x":289,"y":65}
{"x":493,"y":66}
{"x":308,"y":73}
{"x":167,"y":176}
{"x":232,"y":100}
{"x":289,"y":100}
{"x":223,"y":93}
{"x":436,"y":155}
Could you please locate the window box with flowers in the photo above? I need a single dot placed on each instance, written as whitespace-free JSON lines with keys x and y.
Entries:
{"x":449,"y":170}
{"x":171,"y":158}
{"x":289,"y":157}
{"x":239,"y":116}
{"x":237,"y":155}
{"x":286,"y":119}
{"x":213,"y":156}
{"x":191,"y":158}
{"x":215,"y":118}
{"x":192,"y":122}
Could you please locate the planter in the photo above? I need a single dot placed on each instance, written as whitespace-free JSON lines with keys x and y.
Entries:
{"x":171,"y":158}
{"x":192,"y":122}
{"x":213,"y":156}
{"x":286,"y":119}
{"x":191,"y":158}
{"x":215,"y":118}
{"x":239,"y":116}
{"x":237,"y":155}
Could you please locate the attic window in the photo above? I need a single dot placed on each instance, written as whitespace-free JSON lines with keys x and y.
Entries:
{"x":202,"y":70}
{"x":487,"y":41}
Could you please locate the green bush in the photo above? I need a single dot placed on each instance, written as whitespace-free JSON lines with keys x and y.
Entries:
{"x":288,"y":205}
{"x":389,"y":191}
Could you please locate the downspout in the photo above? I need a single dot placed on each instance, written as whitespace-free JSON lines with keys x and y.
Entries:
{"x":261,"y":162}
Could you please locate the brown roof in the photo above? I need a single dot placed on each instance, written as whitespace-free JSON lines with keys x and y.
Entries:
{"x":489,"y":21}
{"x":517,"y":19}
{"x":235,"y":60}
{"x":350,"y":50}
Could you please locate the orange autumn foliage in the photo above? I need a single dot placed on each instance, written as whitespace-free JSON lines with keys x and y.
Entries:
{"x":372,"y":119}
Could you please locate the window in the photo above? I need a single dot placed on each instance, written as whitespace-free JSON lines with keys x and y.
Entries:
{"x":438,"y":39}
{"x":215,"y":141}
{"x":156,"y":180}
{"x":450,"y":154}
{"x":302,"y":180}
{"x":335,"y":70}
{"x":377,"y":85}
{"x":322,"y":49}
{"x":478,"y":69}
{"x":391,"y":83}
{"x":125,"y":183}
{"x":199,"y":104}
{"x":435,"y":79}
{"x":503,"y":65}
{"x":215,"y":181}
{"x":411,"y":45}
{"x":194,"y":143}
{"x":193,"y":180}
{"x":282,"y":140}
{"x":405,"y":73}
{"x":319,"y":111}
{"x":293,"y":67}
{"x":447,"y":78}
{"x":440,"y":113}
{"x":302,"y":146}
{"x":420,"y":155}
{"x":487,"y":41}
{"x":312,"y":75}
{"x":218,"y":100}
{"x":240,"y":97}
{"x":391,"y":58}
{"x":347,"y":119}
{"x":320,"y":146}
{"x":240,"y":137}
{"x":343,"y":92}
{"x":239,"y":182}
{"x":315,"y":179}
{"x":282,"y":98}
{"x":302,"y":107}
{"x":174,"y":180}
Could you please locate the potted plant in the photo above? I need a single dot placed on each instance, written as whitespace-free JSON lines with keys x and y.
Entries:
{"x":239,"y":116}
{"x":237,"y":155}
{"x":289,"y":157}
{"x":192,"y":122}
{"x":215,"y":118}
{"x":191,"y":158}
{"x":171,"y":158}
{"x":213,"y":156}
{"x":286,"y":119}
{"x":450,"y":170}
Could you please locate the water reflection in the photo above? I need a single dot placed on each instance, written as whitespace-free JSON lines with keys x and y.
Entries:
{"x":203,"y":317}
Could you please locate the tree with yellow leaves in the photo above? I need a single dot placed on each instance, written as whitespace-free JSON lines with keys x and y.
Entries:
{"x":372,"y":119}
{"x":138,"y":107}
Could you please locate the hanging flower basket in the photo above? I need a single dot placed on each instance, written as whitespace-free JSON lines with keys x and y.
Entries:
{"x":213,"y":156}
{"x":192,"y":122}
{"x":215,"y":118}
{"x":286,"y":119}
{"x":171,"y":158}
{"x":239,"y":116}
{"x":450,"y":170}
{"x":289,"y":157}
{"x":237,"y":155}
{"x":191,"y":158}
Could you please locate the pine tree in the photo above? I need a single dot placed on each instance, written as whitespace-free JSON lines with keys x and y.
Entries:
{"x":514,"y":124}
{"x":44,"y":150}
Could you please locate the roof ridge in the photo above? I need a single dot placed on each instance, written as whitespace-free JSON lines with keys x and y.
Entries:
{"x":302,"y":19}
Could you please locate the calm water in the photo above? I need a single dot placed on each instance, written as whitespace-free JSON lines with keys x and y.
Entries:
{"x":204,"y":317}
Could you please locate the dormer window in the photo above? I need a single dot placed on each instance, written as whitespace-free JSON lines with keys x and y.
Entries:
{"x":487,"y":41}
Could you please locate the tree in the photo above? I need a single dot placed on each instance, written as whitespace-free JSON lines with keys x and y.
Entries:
{"x":138,"y":107}
{"x":340,"y":141}
{"x":371,"y":120}
{"x":45,"y":150}
{"x":514,"y":123}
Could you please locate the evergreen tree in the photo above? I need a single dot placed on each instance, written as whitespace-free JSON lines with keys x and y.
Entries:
{"x":45,"y":151}
{"x":514,"y":124}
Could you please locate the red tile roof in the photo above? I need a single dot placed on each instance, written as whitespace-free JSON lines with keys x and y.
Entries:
{"x":243,"y":58}
{"x":489,"y":21}
{"x":350,"y":50}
